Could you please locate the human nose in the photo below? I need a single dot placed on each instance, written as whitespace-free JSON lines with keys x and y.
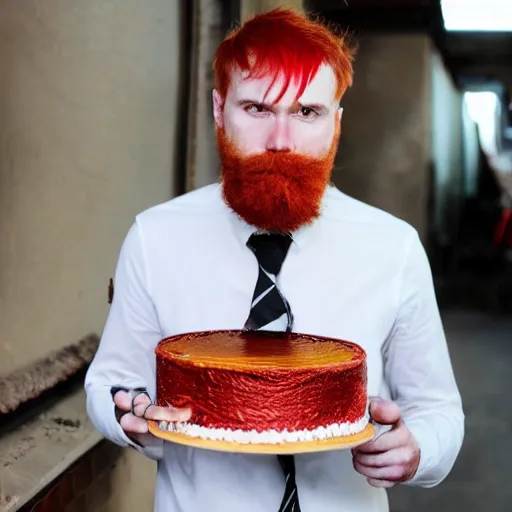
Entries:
{"x":280,"y":137}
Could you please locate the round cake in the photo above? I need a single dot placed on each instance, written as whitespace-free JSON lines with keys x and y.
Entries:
{"x":263,"y":387}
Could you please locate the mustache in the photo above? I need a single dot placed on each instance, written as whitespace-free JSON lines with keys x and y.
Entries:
{"x":268,"y":163}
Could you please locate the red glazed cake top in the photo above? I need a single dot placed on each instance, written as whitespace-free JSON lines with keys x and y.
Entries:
{"x":246,"y":350}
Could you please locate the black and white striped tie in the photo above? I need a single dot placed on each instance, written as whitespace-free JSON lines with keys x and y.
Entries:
{"x":271,"y":311}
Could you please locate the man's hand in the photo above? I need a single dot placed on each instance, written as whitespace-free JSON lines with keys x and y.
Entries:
{"x":135,"y":425}
{"x":394,"y":456}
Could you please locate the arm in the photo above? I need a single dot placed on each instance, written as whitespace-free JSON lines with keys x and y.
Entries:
{"x":418,"y":370}
{"x":125,"y":356}
{"x":425,"y":418}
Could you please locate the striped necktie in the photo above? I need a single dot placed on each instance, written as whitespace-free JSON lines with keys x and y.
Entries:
{"x":271,"y":311}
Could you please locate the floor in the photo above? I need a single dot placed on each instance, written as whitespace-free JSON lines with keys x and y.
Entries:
{"x":481,"y":349}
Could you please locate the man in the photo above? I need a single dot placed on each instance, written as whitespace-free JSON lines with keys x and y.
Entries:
{"x":351,"y":272}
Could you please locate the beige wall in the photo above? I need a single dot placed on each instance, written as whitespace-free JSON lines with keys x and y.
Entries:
{"x":249,"y":8}
{"x":385,"y":147}
{"x":88,"y":102}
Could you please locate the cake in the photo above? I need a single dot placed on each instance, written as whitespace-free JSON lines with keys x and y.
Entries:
{"x":263,"y":387}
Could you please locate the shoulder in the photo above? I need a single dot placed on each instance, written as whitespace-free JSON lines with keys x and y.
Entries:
{"x":357,"y":224}
{"x":193,"y":207}
{"x":183,"y":217}
{"x":203,"y":200}
{"x":340,"y":208}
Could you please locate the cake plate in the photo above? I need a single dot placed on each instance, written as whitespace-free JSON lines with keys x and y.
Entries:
{"x":334,"y":443}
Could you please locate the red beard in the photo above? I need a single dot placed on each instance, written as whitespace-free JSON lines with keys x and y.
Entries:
{"x":275,"y":191}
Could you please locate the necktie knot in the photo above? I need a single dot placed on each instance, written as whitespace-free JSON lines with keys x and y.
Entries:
{"x":270,"y":250}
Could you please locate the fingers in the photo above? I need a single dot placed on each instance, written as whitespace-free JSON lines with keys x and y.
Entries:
{"x":394,"y":457}
{"x":385,"y":469}
{"x":391,"y":458}
{"x":140,"y":404}
{"x":157,"y":413}
{"x":133,"y":425}
{"x":388,"y":473}
{"x":123,"y":400}
{"x":144,"y":410}
{"x":386,"y":484}
{"x":384,"y":412}
{"x":390,"y":440}
{"x":130,"y":423}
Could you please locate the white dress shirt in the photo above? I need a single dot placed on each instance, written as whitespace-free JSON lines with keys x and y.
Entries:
{"x":356,"y":273}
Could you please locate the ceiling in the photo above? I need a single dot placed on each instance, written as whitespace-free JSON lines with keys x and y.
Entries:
{"x":470,"y":57}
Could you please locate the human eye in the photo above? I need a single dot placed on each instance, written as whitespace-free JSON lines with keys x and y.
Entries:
{"x":307,"y":113}
{"x":255,"y":108}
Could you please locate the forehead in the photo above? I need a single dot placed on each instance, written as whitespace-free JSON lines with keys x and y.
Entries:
{"x":321,"y":89}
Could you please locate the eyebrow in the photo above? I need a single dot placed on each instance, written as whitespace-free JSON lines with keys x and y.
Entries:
{"x":317,"y":107}
{"x":268,"y":106}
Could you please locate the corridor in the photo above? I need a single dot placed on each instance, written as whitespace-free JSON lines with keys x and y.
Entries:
{"x":481,"y":349}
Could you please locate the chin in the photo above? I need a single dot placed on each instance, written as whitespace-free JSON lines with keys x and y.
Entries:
{"x":278,"y":191}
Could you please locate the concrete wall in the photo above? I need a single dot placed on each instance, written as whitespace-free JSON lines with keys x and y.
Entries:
{"x":88,"y":98}
{"x":385,"y":147}
{"x":447,"y":151}
{"x":89,"y":95}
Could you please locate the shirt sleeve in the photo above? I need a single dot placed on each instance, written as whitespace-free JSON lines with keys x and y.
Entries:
{"x":418,"y":370}
{"x":125,"y":356}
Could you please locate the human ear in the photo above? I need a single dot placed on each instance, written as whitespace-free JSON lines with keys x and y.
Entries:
{"x":218,"y":108}
{"x":340,"y":113}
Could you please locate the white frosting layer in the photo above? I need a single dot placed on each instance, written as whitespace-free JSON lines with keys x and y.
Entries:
{"x":267,"y":436}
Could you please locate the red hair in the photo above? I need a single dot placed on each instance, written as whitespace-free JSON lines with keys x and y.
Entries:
{"x":283,"y":42}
